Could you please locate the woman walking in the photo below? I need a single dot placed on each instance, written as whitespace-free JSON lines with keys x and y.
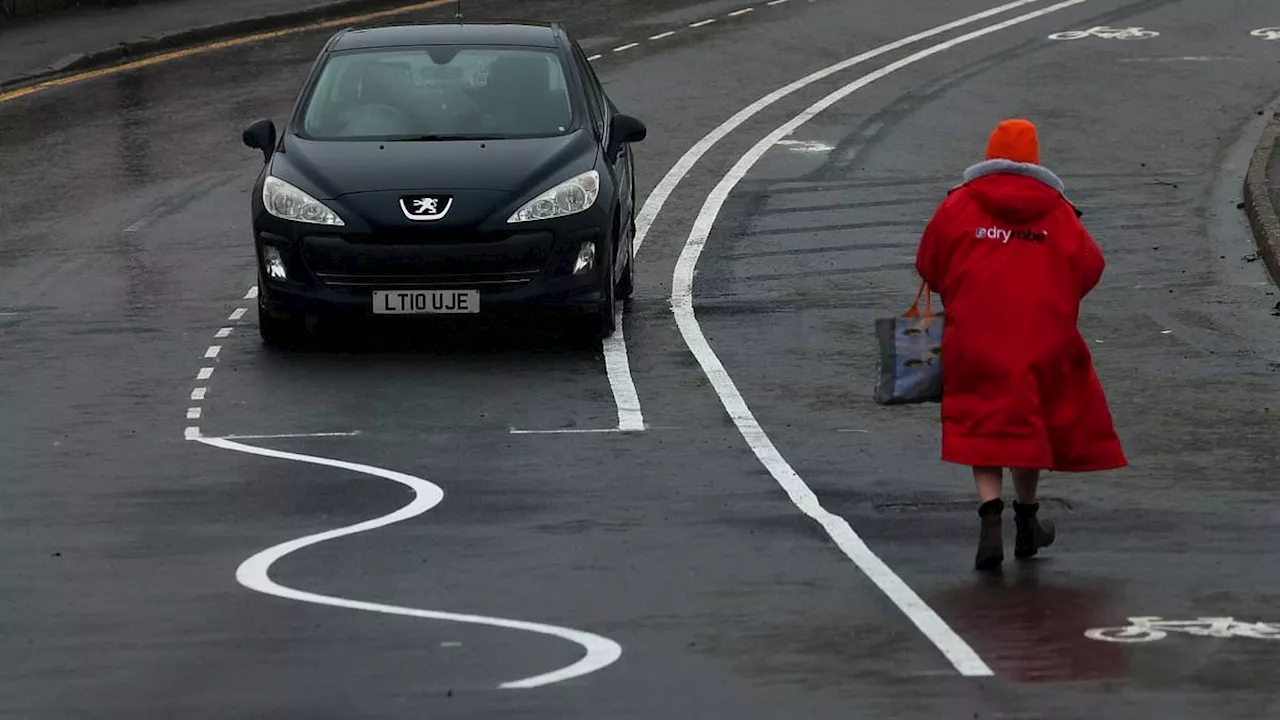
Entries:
{"x":1009,"y":257}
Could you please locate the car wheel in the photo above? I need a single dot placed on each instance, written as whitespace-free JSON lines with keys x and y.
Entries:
{"x":282,"y":331}
{"x":627,"y":283}
{"x":606,"y":320}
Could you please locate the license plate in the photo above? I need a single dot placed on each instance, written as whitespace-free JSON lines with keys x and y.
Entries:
{"x":425,"y":302}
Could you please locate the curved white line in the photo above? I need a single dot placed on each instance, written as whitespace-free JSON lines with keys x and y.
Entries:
{"x":956,"y":650}
{"x":254,"y":572}
{"x":662,"y":191}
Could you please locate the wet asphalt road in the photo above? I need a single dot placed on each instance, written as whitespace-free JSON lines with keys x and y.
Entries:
{"x":124,"y":247}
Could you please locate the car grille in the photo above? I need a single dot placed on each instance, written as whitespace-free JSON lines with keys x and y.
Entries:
{"x":479,"y":281}
{"x":445,"y":262}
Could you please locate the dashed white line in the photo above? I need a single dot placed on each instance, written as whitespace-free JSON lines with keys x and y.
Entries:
{"x":628,"y":46}
{"x":213,"y":351}
{"x":205,"y":373}
{"x":661,"y":36}
{"x":253,"y":293}
{"x":191,"y":433}
{"x":743,"y":11}
{"x":702,"y":23}
{"x":223,"y":332}
{"x":594,"y":58}
{"x":237,"y":313}
{"x":254,"y":573}
{"x":962,"y":657}
{"x":193,"y":413}
{"x":775,"y":2}
{"x":198,"y":393}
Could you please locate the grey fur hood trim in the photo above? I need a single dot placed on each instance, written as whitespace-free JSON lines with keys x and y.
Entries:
{"x":1038,"y":172}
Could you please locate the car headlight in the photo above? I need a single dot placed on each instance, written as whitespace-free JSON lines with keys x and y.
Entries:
{"x":569,"y":197}
{"x":289,"y":203}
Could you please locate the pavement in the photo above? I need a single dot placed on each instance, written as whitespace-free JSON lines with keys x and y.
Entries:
{"x":125,"y":260}
{"x":95,"y":35}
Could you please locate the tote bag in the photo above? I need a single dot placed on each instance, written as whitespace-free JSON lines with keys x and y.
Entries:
{"x":910,"y":369}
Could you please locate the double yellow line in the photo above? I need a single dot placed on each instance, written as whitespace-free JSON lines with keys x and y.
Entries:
{"x":210,"y":47}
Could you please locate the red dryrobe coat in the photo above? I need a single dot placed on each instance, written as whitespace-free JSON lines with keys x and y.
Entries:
{"x":1011,"y":261}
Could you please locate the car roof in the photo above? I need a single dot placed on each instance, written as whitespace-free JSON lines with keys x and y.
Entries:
{"x":448,"y":33}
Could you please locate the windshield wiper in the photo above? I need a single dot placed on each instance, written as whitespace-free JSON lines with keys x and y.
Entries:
{"x":442,"y":138}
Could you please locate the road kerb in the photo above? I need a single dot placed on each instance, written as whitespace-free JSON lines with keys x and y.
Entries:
{"x":1264,"y":216}
{"x":142,"y":47}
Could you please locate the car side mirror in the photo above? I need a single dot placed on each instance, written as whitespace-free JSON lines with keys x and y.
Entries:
{"x":261,"y":135}
{"x":626,"y":129}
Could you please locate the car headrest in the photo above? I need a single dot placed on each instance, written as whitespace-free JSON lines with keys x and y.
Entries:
{"x":525,"y":75}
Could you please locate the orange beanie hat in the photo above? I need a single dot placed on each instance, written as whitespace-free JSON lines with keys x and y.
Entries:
{"x":1014,"y":140}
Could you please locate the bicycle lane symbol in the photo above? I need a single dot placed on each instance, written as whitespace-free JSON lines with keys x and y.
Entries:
{"x":1151,"y":629}
{"x":1106,"y":33}
{"x":1267,"y":33}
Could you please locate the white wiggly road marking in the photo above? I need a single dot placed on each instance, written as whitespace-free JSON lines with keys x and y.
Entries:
{"x":962,"y":657}
{"x":254,"y":573}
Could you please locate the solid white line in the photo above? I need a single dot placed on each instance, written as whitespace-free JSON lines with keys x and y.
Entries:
{"x":661,"y":36}
{"x":963,"y":657}
{"x":662,"y":191}
{"x":702,"y":23}
{"x":254,"y":573}
{"x":291,"y":435}
{"x":237,"y":313}
{"x":628,"y":46}
{"x":198,"y":393}
{"x":253,"y":293}
{"x":223,"y":332}
{"x":193,"y":413}
{"x":213,"y":351}
{"x":205,"y":373}
{"x":743,"y":11}
{"x":617,"y":366}
{"x":593,"y":58}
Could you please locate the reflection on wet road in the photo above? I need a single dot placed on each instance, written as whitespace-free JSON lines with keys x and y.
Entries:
{"x":124,"y":257}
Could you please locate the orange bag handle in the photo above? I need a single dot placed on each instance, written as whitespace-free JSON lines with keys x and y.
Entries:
{"x":924,"y":291}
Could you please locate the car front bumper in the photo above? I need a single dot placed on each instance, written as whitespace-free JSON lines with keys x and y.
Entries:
{"x":337,"y":272}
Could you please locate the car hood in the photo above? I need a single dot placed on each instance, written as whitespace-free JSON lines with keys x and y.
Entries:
{"x":331,"y":169}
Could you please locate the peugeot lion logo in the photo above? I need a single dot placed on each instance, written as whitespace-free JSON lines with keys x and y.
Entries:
{"x":425,"y":207}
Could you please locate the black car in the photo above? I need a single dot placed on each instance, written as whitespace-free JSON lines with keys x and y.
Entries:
{"x":448,"y":168}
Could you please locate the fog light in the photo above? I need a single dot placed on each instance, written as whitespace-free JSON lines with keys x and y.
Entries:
{"x":275,"y":263}
{"x":586,"y":258}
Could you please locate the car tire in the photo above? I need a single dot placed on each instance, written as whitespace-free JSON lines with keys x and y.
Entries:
{"x":280,"y":331}
{"x":606,"y":320}
{"x":627,"y":283}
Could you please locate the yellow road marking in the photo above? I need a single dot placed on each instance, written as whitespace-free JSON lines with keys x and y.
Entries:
{"x":210,"y":47}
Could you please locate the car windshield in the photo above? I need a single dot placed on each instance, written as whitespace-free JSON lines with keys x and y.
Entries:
{"x":439,"y":93}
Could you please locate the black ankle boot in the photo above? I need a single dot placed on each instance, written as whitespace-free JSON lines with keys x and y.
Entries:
{"x":990,"y":538}
{"x":1033,"y":533}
